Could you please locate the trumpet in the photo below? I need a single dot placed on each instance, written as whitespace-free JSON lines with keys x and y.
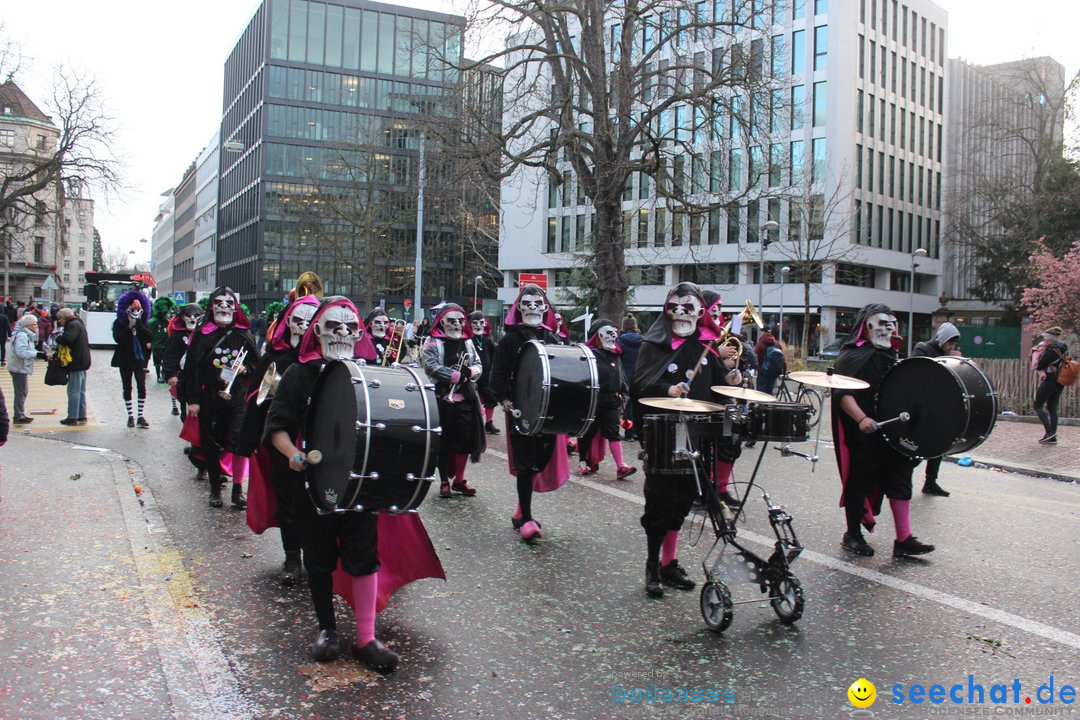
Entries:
{"x":268,"y":384}
{"x":228,"y":375}
{"x":729,"y":336}
{"x":395,"y":341}
{"x":459,"y":368}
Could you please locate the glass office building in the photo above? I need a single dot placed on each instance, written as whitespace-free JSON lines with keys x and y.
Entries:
{"x":320,"y":133}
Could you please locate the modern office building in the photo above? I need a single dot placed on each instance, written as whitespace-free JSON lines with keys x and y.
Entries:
{"x":320,"y":136}
{"x":1005,"y":124}
{"x":206,"y":190}
{"x":161,"y":243}
{"x":861,"y":146}
{"x":78,"y":257}
{"x":183,"y":273}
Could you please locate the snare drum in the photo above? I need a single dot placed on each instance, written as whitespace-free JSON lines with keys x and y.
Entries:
{"x":780,"y":422}
{"x":952,"y":405}
{"x":378,"y":431}
{"x":665,"y":435}
{"x":555,"y":389}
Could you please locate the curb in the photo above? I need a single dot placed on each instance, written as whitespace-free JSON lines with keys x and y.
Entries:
{"x":1019,"y":468}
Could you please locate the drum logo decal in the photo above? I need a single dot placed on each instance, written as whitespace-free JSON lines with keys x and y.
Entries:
{"x":909,"y":444}
{"x":331,"y":496}
{"x":396,"y":404}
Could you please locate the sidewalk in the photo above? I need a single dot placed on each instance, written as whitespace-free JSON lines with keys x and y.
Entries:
{"x":1013,"y":445}
{"x":46,"y":404}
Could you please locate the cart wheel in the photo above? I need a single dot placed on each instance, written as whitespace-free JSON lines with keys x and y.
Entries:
{"x":787,"y":601}
{"x":716,"y":606}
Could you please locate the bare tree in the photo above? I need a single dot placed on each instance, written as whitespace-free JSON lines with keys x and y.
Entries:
{"x":114,"y":259}
{"x":597,"y":92}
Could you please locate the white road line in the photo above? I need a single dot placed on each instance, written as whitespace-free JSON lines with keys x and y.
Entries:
{"x":1033,"y":627}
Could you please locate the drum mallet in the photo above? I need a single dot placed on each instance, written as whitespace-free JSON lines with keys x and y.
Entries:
{"x":788,"y":451}
{"x":902,"y":417}
{"x":313,"y":458}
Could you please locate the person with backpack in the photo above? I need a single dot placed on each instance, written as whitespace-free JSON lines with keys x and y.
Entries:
{"x":944,"y":342}
{"x":1052,"y":355}
{"x":773,"y":363}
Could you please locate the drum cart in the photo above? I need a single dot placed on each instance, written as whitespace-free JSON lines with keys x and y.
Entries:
{"x":728,"y":558}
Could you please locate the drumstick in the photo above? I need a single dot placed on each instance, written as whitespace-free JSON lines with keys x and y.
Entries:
{"x":902,"y":417}
{"x":694,"y":372}
{"x":314,"y":457}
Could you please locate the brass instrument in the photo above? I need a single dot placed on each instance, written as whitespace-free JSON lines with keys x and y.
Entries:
{"x":395,"y":342}
{"x":229,"y":374}
{"x":268,"y":384}
{"x":459,"y":368}
{"x":729,"y":336}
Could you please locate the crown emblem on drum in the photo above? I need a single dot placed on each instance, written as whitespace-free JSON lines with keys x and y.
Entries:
{"x":396,"y":404}
{"x":331,"y":496}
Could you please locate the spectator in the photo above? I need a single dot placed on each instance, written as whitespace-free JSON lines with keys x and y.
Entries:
{"x":423,"y":329}
{"x":73,"y":349}
{"x":4,"y":426}
{"x":630,"y":341}
{"x":23,"y":355}
{"x":20,"y":309}
{"x":763,"y":343}
{"x":45,"y":328}
{"x":5,"y":333}
{"x":946,"y":337}
{"x":1052,"y":354}
{"x":773,"y":363}
{"x":9,"y":311}
{"x":258,"y":329}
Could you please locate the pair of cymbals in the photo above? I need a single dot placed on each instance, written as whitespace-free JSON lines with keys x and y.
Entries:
{"x":831,"y":381}
{"x":703,"y":406}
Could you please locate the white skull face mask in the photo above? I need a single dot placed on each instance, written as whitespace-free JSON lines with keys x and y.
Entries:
{"x":224,"y":307}
{"x":338,"y":330}
{"x":609,"y":337}
{"x":532,"y":309}
{"x":716,"y":315}
{"x":379,"y":325}
{"x":134,"y":312}
{"x":299,"y":319}
{"x":453,"y":324}
{"x":191,"y":320}
{"x":684,"y":312}
{"x":479,"y":326}
{"x":879,"y":330}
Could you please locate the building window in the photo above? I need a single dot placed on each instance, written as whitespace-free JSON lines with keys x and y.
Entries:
{"x":798,"y":52}
{"x":710,"y":273}
{"x":567,"y":231}
{"x":798,"y":103}
{"x":659,"y":228}
{"x":39,"y":249}
{"x":820,"y":103}
{"x":651,"y":275}
{"x":552,"y":234}
{"x":821,"y":46}
{"x":856,"y":275}
{"x":82,"y":264}
{"x":67,"y":278}
{"x":82,"y":251}
{"x":818,"y":161}
{"x":67,"y":264}
{"x":7,"y":138}
{"x":643,"y":227}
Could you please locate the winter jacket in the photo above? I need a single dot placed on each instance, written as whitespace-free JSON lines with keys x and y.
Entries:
{"x":132,"y":344}
{"x":630,"y":342}
{"x":22,"y":355}
{"x":1051,"y":359}
{"x":78,"y":344}
{"x":5,"y":327}
{"x":935,"y":347}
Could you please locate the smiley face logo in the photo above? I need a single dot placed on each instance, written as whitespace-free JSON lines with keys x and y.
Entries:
{"x":862,"y":693}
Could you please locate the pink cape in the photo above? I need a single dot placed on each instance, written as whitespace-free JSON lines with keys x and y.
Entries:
{"x":597,"y":449}
{"x":405,"y":549}
{"x":869,"y":519}
{"x":555,"y":473}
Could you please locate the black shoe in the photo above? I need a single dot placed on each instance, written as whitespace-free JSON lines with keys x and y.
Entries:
{"x":215,"y":497}
{"x":203,"y":476}
{"x":930,"y":487}
{"x":911,"y":546}
{"x":175,"y":410}
{"x":730,"y":499}
{"x":290,"y":569}
{"x":131,"y":421}
{"x":377,"y":656}
{"x":1049,"y":440}
{"x":22,"y":421}
{"x":857,"y":545}
{"x":326,"y":647}
{"x":751,"y":443}
{"x":141,"y":422}
{"x":490,"y":428}
{"x":238,"y":500}
{"x":82,"y":421}
{"x":674,"y":575}
{"x":653,"y":588}
{"x":69,"y":421}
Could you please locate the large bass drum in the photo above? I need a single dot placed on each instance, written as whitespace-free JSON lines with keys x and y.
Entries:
{"x":952,"y":405}
{"x":555,"y":389}
{"x":377,"y":429}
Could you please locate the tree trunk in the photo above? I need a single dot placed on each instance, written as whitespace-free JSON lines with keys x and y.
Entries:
{"x":611,"y":277}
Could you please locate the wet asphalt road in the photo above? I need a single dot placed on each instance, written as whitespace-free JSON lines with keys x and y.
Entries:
{"x":557,"y":628}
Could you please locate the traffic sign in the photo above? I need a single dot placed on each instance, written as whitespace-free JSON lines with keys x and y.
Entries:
{"x":50,"y":283}
{"x":180,"y":296}
{"x":538,"y":279}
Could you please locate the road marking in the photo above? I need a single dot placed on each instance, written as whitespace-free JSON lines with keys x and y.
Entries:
{"x":1033,"y":627}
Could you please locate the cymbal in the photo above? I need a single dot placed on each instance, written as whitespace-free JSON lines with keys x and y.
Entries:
{"x":743,"y":393}
{"x":681,"y":404}
{"x":825,"y":380}
{"x":757,"y":318}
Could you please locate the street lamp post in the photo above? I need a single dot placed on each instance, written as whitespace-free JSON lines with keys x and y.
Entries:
{"x":783,"y":275}
{"x":419,"y":228}
{"x":911,"y":299}
{"x":475,"y":290}
{"x":765,"y":230}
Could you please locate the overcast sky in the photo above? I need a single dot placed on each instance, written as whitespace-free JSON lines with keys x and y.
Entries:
{"x":160,"y":69}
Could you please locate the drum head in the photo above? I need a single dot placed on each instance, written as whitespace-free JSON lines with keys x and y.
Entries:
{"x":331,"y":429}
{"x":530,"y":394}
{"x":936,"y":400}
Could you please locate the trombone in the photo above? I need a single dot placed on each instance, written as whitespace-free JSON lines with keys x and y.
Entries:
{"x":395,"y":341}
{"x":729,"y":336}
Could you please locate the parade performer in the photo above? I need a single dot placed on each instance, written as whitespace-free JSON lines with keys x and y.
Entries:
{"x":672,"y":348}
{"x":561,"y":330}
{"x":450,"y":360}
{"x":378,"y":324}
{"x":220,"y":360}
{"x":614,"y":392}
{"x":532,"y":458}
{"x":352,"y":538}
{"x":869,"y":467}
{"x":485,"y":348}
{"x":180,"y":328}
{"x":163,"y":309}
{"x":727,"y":451}
{"x":133,"y":344}
{"x":268,"y":466}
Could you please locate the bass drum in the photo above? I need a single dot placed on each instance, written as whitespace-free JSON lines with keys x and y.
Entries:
{"x":555,"y":389}
{"x":952,"y":405}
{"x":378,"y":431}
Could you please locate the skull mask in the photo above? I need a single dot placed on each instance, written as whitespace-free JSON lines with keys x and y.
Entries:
{"x":453,"y":324}
{"x":338,"y":330}
{"x":134,"y":312}
{"x":879,"y":330}
{"x":224,"y":307}
{"x":191,"y":320}
{"x":684,"y":313}
{"x":379,"y":325}
{"x":299,"y":319}
{"x":532,"y":308}
{"x":609,"y":337}
{"x":479,"y":326}
{"x":716,"y":315}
